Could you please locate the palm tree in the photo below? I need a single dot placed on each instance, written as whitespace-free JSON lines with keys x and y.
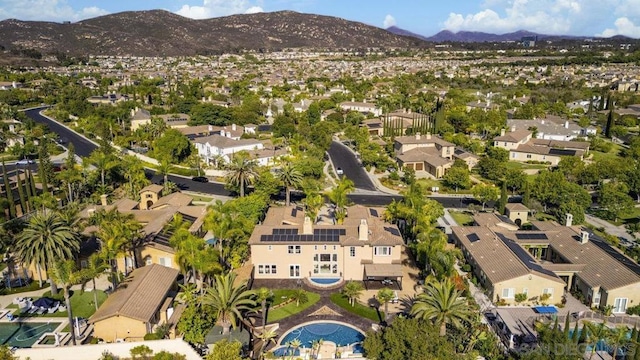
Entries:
{"x":385,"y":295}
{"x":164,"y":168}
{"x":300,"y":296}
{"x":290,"y":177}
{"x":116,"y":232}
{"x":442,"y":304}
{"x":45,"y":240}
{"x":597,"y":333}
{"x":338,"y":197}
{"x":352,"y":290}
{"x":266,"y":337}
{"x":104,"y":163}
{"x":66,"y":274}
{"x":312,"y":204}
{"x":95,"y":267}
{"x":229,"y":301}
{"x":294,"y":345}
{"x":263,"y":295}
{"x":242,"y":172}
{"x":618,"y":338}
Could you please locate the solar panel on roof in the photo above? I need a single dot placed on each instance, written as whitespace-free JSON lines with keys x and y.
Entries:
{"x":531,"y":236}
{"x":373,"y":212}
{"x":473,"y":237}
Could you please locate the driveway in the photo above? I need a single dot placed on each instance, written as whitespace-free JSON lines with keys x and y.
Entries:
{"x":619,"y":231}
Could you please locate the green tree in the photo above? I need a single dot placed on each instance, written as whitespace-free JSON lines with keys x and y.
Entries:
{"x":143,"y":351}
{"x":312,"y":204}
{"x":104,"y":163}
{"x":442,"y":304}
{"x":266,"y":337}
{"x":172,"y":145}
{"x":229,"y":301}
{"x":6,"y":353}
{"x":196,"y":321}
{"x":263,"y":295}
{"x":504,"y":198}
{"x":597,"y":332}
{"x":300,"y":296}
{"x":95,"y":267}
{"x":226,"y":350}
{"x":384,"y":296}
{"x":338,"y":196}
{"x":45,"y":240}
{"x":65,"y":274}
{"x":241,"y":172}
{"x":71,"y":175}
{"x":9,"y":192}
{"x":457,"y":177}
{"x":290,"y":177}
{"x":614,"y":198}
{"x":352,"y":290}
{"x":45,"y":166}
{"x":485,"y":193}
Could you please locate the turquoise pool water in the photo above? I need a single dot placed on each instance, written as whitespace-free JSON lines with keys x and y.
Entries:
{"x":24,"y":334}
{"x":337,"y":333}
{"x":325,"y":281}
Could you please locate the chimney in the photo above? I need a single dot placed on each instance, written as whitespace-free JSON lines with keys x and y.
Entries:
{"x":233,"y":127}
{"x":363,"y":230}
{"x":428,"y":136}
{"x":569,"y":219}
{"x":542,"y":121}
{"x":566,"y":124}
{"x":133,"y":112}
{"x":417,"y":136}
{"x":502,"y":132}
{"x":103,"y":200}
{"x":228,"y":134}
{"x":210,"y":128}
{"x":584,"y":237}
{"x":307,"y":226}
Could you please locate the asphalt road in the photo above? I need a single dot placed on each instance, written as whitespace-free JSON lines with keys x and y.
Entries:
{"x":342,"y":157}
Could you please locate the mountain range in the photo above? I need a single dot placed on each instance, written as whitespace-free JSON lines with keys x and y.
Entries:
{"x":162,"y":33}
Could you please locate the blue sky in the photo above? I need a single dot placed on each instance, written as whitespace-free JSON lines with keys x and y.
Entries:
{"x":426,"y":17}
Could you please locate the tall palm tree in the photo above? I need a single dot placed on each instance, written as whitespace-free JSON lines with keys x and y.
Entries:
{"x":164,"y":168}
{"x":597,"y":333}
{"x":242,"y":172}
{"x":95,"y":267}
{"x":618,"y":338}
{"x":352,"y":290}
{"x":312,"y":204}
{"x":45,"y":240}
{"x":66,"y":274}
{"x":117,"y":234}
{"x":104,"y":162}
{"x":442,"y":304}
{"x":290,"y":177}
{"x":263,"y":295}
{"x":385,"y":295}
{"x":338,"y":196}
{"x":229,"y":301}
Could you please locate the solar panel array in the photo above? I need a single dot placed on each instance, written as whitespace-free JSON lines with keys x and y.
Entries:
{"x":531,"y":236}
{"x":291,"y":235}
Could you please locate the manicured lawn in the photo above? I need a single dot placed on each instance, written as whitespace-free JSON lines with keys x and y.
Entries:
{"x":524,"y":166}
{"x":613,"y":154}
{"x":282,"y":312}
{"x":81,"y":304}
{"x":462,"y":218}
{"x":201,"y":198}
{"x":280,"y":296}
{"x":630,"y":217}
{"x":31,"y":287}
{"x":358,"y":309}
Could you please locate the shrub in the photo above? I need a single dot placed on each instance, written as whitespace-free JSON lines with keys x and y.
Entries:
{"x":152,"y":336}
{"x":544,"y":298}
{"x":466,"y":268}
{"x":520,"y":297}
{"x":634,"y":310}
{"x":143,"y":351}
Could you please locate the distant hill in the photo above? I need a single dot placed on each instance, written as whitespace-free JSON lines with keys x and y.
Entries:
{"x":476,"y":36}
{"x":162,"y":33}
{"x":402,"y":32}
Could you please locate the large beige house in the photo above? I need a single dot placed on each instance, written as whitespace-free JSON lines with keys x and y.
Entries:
{"x":430,"y":154}
{"x":289,"y":245}
{"x":547,"y":260}
{"x":523,"y":148}
{"x":140,"y":303}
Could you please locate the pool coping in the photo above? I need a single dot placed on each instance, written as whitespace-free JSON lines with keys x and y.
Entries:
{"x":58,"y":329}
{"x":278,"y":344}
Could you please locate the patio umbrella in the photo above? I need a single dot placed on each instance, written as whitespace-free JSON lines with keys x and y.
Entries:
{"x":44,"y":303}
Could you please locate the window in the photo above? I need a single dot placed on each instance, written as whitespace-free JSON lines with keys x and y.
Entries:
{"x":596,"y":298}
{"x":548,"y":291}
{"x":382,"y":250}
{"x":267,"y":269}
{"x":528,"y":156}
{"x":352,"y":251}
{"x":525,"y":291}
{"x":148,"y":260}
{"x":294,"y":271}
{"x":620,"y":305}
{"x":294,"y":249}
{"x":83,"y":264}
{"x":508,"y":293}
{"x":165,"y":261}
{"x":513,"y":155}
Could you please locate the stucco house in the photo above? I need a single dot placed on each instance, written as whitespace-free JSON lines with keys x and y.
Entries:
{"x":216,"y":147}
{"x":552,"y":128}
{"x":361,"y":107}
{"x":523,"y":148}
{"x":425,"y":153}
{"x":517,"y":212}
{"x":547,"y":260}
{"x":289,"y":245}
{"x":139,"y":304}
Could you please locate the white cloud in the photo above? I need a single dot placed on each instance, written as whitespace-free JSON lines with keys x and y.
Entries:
{"x":50,"y":10}
{"x":389,"y":21}
{"x":215,"y":8}
{"x":579,"y":17}
{"x":624,"y":26}
{"x":254,"y":10}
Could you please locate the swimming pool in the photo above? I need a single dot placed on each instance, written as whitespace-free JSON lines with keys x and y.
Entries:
{"x":24,"y":334}
{"x":338,"y":333}
{"x":325,"y":281}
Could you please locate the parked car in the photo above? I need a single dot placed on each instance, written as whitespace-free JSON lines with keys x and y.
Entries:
{"x":201,"y":179}
{"x":25,"y":162}
{"x":339,"y":171}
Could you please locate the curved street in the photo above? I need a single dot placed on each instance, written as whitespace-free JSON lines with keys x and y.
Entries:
{"x":342,"y":157}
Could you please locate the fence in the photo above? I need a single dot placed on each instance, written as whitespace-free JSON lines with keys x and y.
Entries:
{"x":616,"y":319}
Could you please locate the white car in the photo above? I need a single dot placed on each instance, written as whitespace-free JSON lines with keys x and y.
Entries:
{"x":339,"y":171}
{"x":25,"y":162}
